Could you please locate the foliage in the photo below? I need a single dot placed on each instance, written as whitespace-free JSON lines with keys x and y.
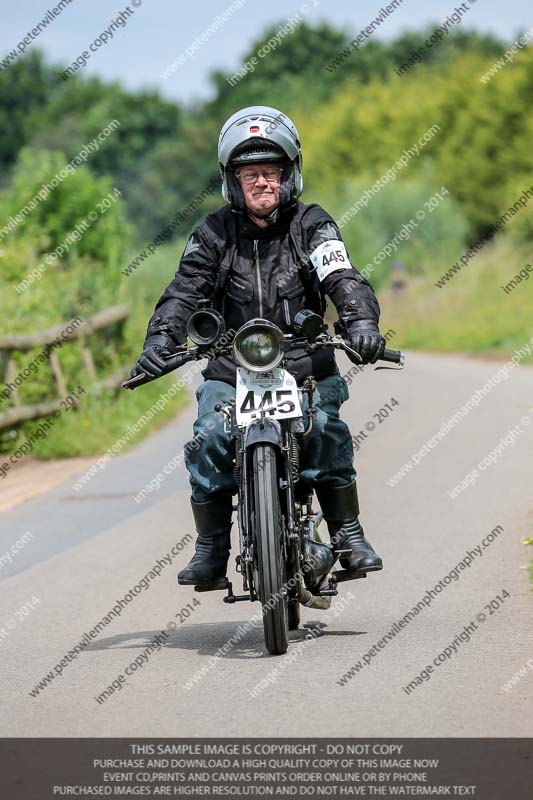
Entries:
{"x":84,"y":108}
{"x":484,"y":137}
{"x":86,"y":277}
{"x":25,"y":90}
{"x":98,"y":422}
{"x":77,"y":194}
{"x":282,"y":77}
{"x":519,"y":229}
{"x":393,"y":215}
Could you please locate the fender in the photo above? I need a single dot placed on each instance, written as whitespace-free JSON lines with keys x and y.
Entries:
{"x":270,"y":432}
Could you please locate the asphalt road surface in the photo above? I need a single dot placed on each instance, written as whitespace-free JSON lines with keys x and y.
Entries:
{"x":90,"y":548}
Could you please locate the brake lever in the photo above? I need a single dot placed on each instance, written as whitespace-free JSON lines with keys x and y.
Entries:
{"x":395,"y":369}
{"x":130,"y":383}
{"x":340,"y":342}
{"x":323,"y":340}
{"x":337,"y":341}
{"x":352,"y":351}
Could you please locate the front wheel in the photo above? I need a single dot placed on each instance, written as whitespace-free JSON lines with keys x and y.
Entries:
{"x":271,"y":566}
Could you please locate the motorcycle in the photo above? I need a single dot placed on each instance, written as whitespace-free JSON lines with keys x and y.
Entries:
{"x":282,"y":560}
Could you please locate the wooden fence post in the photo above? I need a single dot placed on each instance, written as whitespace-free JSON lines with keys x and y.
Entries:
{"x":57,"y":336}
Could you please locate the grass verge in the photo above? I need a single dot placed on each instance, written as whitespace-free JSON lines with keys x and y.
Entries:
{"x":99,"y":422}
{"x":471,"y":314}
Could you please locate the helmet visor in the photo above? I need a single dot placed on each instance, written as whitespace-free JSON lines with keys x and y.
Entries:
{"x":255,"y":152}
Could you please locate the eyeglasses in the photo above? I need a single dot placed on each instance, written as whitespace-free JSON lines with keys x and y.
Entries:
{"x":272,"y":175}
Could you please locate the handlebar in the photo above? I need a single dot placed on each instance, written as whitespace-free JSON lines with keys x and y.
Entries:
{"x":392,"y":356}
{"x":177,"y":360}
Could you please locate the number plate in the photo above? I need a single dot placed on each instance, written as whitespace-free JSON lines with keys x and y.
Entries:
{"x":275,"y":391}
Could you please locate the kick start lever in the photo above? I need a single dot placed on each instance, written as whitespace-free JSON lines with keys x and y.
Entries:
{"x":234,"y":598}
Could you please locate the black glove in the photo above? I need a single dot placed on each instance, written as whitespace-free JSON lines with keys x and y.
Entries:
{"x":151,"y":360}
{"x":365,"y":338}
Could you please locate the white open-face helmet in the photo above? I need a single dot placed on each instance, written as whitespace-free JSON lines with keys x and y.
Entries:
{"x":260,"y":134}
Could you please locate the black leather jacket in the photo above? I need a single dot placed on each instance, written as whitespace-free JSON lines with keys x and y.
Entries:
{"x":271,"y":273}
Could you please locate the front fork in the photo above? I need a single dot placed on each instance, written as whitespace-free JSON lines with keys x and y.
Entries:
{"x":293,"y":550}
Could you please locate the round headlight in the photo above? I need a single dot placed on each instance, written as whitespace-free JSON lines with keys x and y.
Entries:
{"x":258,"y":346}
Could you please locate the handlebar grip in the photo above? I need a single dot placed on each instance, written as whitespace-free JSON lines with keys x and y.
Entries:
{"x":172,"y":363}
{"x":394,"y":356}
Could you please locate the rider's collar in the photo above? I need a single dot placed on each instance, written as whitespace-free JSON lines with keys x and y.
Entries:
{"x":269,"y":218}
{"x":276,"y":220}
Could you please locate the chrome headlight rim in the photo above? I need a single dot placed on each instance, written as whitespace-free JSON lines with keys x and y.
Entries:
{"x":255,"y":326}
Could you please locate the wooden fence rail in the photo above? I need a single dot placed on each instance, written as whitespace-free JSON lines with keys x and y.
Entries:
{"x":56,"y":336}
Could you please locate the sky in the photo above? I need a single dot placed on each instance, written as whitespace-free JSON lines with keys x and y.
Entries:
{"x":156,"y":32}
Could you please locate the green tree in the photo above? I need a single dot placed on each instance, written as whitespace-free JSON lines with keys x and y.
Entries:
{"x":26,"y":87}
{"x":282,"y":77}
{"x":83,"y":108}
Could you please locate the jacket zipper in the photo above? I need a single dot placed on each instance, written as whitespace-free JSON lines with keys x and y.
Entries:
{"x":259,"y":288}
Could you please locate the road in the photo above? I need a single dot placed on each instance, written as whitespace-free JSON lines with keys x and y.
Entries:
{"x":89,"y":548}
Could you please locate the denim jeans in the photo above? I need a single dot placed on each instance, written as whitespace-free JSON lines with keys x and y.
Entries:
{"x":326,"y":454}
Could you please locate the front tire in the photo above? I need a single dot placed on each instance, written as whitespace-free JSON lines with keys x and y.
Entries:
{"x":271,"y":567}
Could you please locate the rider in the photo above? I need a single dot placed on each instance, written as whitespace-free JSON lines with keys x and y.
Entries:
{"x":266,"y":254}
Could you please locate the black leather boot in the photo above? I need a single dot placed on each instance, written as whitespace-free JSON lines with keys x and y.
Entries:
{"x":213,"y":526}
{"x":340,"y":507}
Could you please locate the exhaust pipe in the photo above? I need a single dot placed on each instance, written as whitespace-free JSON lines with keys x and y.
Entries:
{"x":309,"y":600}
